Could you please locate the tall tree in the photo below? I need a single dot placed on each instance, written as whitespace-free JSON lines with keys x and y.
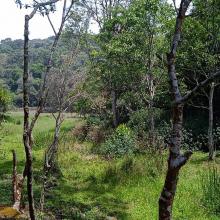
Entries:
{"x":43,"y":8}
{"x":62,"y":93}
{"x":177,"y":159}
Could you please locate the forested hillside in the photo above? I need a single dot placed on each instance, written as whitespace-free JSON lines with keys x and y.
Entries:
{"x":11,"y":68}
{"x":123,"y":124}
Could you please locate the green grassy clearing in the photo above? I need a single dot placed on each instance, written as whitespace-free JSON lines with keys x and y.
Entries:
{"x":92,"y":187}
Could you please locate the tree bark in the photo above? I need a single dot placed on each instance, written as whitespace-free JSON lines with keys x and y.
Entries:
{"x":114,"y":108}
{"x":152,"y":125}
{"x":176,"y":159}
{"x":17,"y":184}
{"x":26,"y":133}
{"x":210,"y":130}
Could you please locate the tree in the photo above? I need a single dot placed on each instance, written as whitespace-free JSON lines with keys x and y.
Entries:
{"x":62,"y":93}
{"x":177,"y":159}
{"x":128,"y":60}
{"x":43,"y":8}
{"x":202,"y":57}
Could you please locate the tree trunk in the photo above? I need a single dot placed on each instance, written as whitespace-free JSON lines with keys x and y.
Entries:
{"x":152,"y":125}
{"x":17,"y":184}
{"x":26,"y":133}
{"x":176,"y":159}
{"x":152,"y":121}
{"x":210,"y":130}
{"x":114,"y":108}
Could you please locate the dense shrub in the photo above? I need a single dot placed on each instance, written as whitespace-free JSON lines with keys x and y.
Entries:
{"x":189,"y":142}
{"x":82,"y":106}
{"x":140,"y":121}
{"x":92,"y":120}
{"x":80,"y":131}
{"x":120,"y":143}
{"x":211,"y":190}
{"x":5,"y":101}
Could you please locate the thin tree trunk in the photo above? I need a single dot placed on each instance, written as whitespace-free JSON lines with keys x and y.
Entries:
{"x":114,"y":108}
{"x":152,"y":126}
{"x":17,"y":184}
{"x":26,"y":134}
{"x":176,"y":159}
{"x":28,"y":127}
{"x":210,"y":130}
{"x":50,"y":162}
{"x":151,"y":89}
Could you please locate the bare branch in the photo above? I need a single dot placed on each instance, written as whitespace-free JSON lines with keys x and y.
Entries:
{"x":174,"y":3}
{"x":51,"y":24}
{"x":199,"y":86}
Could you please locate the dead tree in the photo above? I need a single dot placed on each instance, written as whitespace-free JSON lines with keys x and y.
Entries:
{"x":17,"y":184}
{"x":62,"y":94}
{"x":177,"y":159}
{"x":41,"y":7}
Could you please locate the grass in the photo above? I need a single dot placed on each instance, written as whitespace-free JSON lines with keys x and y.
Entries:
{"x":92,"y":187}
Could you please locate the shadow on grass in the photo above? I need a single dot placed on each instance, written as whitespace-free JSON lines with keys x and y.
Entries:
{"x":199,"y":160}
{"x":91,"y":198}
{"x":7,"y":167}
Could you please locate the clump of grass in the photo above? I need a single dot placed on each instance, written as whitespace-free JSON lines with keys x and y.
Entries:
{"x":42,"y":139}
{"x":211,"y":190}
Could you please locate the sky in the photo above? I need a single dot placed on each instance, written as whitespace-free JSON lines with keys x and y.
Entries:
{"x":12,"y":21}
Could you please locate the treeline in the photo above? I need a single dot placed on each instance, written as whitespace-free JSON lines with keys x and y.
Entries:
{"x":127,"y":80}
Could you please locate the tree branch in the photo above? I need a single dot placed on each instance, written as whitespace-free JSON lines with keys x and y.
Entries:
{"x":186,"y":97}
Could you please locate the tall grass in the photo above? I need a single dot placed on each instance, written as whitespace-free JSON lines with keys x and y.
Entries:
{"x":211,"y":190}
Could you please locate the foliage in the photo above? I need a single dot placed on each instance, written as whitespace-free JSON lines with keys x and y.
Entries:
{"x":11,"y":66}
{"x":120,"y":143}
{"x":5,"y":99}
{"x":122,"y":53}
{"x":140,"y":120}
{"x":82,"y":106}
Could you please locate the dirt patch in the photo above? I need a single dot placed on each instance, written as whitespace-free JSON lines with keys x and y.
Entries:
{"x":7,"y":212}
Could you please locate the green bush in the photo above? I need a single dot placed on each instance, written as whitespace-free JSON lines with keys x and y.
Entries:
{"x":140,"y":121}
{"x":122,"y":142}
{"x":211,"y":190}
{"x":92,"y":120}
{"x":5,"y":100}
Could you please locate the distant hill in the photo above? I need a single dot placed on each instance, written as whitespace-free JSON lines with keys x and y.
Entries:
{"x":11,"y":65}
